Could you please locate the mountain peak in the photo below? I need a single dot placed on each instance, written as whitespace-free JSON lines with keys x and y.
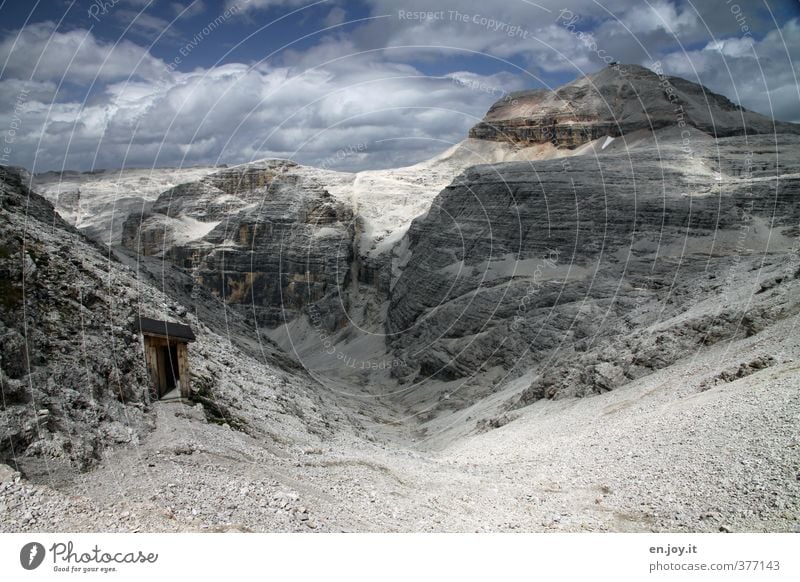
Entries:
{"x":615,"y":101}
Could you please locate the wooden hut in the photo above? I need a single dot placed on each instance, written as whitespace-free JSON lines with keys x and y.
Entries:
{"x":166,"y":352}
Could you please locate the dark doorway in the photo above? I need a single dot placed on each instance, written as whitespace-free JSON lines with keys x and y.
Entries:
{"x":169,"y":373}
{"x":173,"y":374}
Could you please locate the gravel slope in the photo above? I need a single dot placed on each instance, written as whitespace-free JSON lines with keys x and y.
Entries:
{"x":680,"y":450}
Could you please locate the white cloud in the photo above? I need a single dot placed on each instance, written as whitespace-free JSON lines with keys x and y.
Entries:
{"x":660,"y":15}
{"x":41,"y":53}
{"x":189,"y":8}
{"x":146,"y":25}
{"x":41,"y":91}
{"x":336,"y":16}
{"x":235,"y":112}
{"x":263,"y":4}
{"x":759,"y":74}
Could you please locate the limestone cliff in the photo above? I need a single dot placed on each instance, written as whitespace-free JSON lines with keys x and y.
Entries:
{"x":574,"y":239}
{"x":72,"y":372}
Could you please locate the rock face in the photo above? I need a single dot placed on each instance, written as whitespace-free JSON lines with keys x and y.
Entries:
{"x":591,"y":249}
{"x":72,"y":380}
{"x":552,"y":272}
{"x":265,"y":236}
{"x":616,"y":101}
{"x":539,"y":266}
{"x":586,"y":268}
{"x":271,"y":238}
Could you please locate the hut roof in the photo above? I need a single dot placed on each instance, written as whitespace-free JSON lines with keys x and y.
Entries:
{"x":177,"y":331}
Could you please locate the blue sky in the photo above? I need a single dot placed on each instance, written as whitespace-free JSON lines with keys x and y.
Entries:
{"x":91,"y":84}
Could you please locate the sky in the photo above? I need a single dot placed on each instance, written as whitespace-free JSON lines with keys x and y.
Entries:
{"x":342,"y":84}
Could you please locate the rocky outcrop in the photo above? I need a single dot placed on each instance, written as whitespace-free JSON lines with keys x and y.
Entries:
{"x":98,"y":202}
{"x":616,"y":101}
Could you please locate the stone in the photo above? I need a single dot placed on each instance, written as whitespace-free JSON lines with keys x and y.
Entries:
{"x":540,"y":273}
{"x":7,"y":474}
{"x":81,"y":198}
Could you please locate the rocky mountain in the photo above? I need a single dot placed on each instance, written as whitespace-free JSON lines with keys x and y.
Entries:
{"x":617,"y":101}
{"x":268,"y":236}
{"x":584,"y":273}
{"x":548,"y":245}
{"x":581,"y":273}
{"x":73,"y":376}
{"x":275,"y":237}
{"x":590,"y":272}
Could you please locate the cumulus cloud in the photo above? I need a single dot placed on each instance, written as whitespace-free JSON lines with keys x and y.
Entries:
{"x":41,"y":53}
{"x":576,"y":35}
{"x":236,"y":112}
{"x":660,"y":15}
{"x":758,"y":74}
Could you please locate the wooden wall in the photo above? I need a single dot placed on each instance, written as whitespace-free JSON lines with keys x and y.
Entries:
{"x":151,"y":345}
{"x":183,"y":368}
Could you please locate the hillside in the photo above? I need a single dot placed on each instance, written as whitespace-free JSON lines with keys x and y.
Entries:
{"x":73,"y":376}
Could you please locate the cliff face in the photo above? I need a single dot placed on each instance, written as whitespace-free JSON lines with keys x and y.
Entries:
{"x":271,"y":238}
{"x":266,"y":236}
{"x":72,"y":381}
{"x":616,"y":101}
{"x":513,"y":264}
{"x":587,"y":269}
{"x":97,"y":203}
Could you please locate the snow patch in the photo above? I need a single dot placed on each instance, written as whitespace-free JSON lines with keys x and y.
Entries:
{"x":188,"y":229}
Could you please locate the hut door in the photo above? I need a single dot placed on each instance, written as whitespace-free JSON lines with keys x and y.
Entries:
{"x":168,"y":369}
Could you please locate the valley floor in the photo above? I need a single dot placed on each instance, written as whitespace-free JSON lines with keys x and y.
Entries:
{"x":670,"y":452}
